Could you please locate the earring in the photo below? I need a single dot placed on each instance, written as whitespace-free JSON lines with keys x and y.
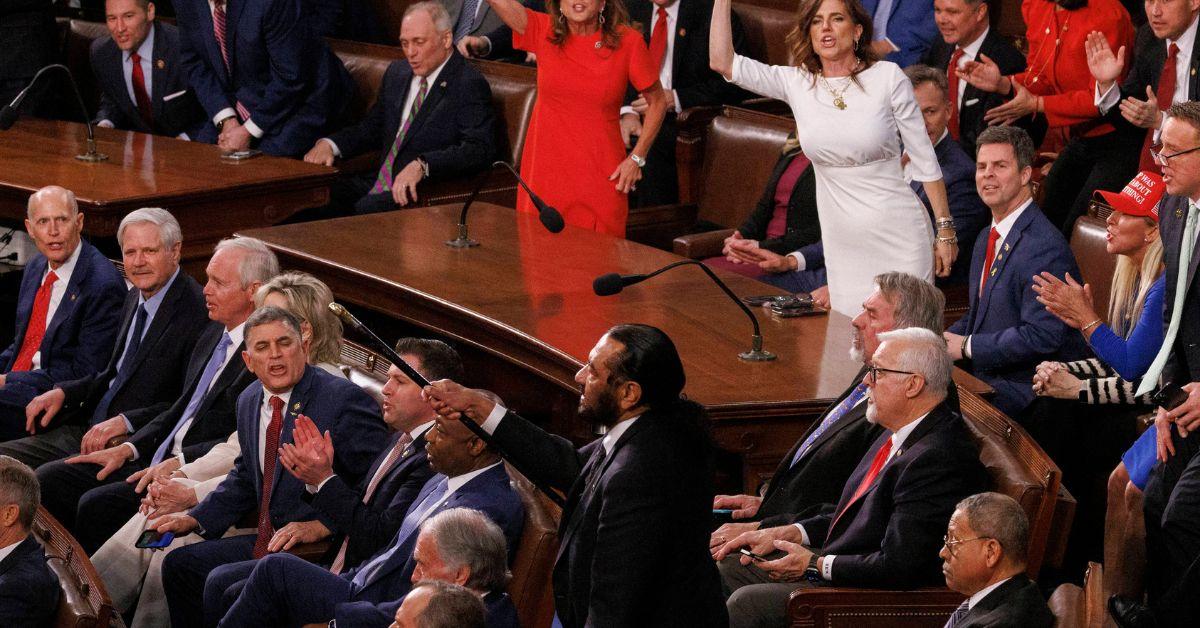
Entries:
{"x":855,"y":45}
{"x":602,"y":14}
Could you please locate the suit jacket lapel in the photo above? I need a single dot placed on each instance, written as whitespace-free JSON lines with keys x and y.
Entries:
{"x":214,"y":48}
{"x":839,"y":425}
{"x":162,"y":319}
{"x":66,"y":307}
{"x":228,"y":375}
{"x":1004,"y":250}
{"x":297,"y":403}
{"x":233,"y":12}
{"x":1193,"y":91}
{"x":250,"y":453}
{"x":132,"y":298}
{"x":158,"y":72}
{"x":684,"y":16}
{"x":31,"y":284}
{"x":434,"y":95}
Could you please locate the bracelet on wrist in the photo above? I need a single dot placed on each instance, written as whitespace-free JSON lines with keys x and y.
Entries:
{"x":950,"y":240}
{"x":1090,"y":325}
{"x":640,"y":161}
{"x":945,"y":223}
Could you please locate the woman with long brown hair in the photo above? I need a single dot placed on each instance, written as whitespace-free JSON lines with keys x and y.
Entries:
{"x":574,"y":155}
{"x":852,"y":113}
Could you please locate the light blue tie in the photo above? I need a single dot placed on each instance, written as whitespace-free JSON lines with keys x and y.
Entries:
{"x":880,"y":20}
{"x":416,"y":515}
{"x":842,"y":408}
{"x":206,"y":379}
{"x":1187,"y":246}
{"x":465,"y":19}
{"x":959,"y":614}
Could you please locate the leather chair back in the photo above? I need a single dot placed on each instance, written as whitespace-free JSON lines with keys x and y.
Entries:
{"x":77,"y":56}
{"x":390,"y":14}
{"x":366,"y":64}
{"x":84,"y":602}
{"x":740,"y":153}
{"x":530,"y":588}
{"x":766,"y":30}
{"x":1096,"y":264}
{"x":514,"y":90}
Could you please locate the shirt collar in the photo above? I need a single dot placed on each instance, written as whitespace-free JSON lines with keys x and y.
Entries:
{"x":63,"y":272}
{"x":1006,"y":225}
{"x":1186,"y":41}
{"x":419,"y":431}
{"x":901,"y":435}
{"x":982,"y":593}
{"x":971,"y":50}
{"x":457,"y":482}
{"x":432,"y":77}
{"x":286,"y":396}
{"x":672,"y":12}
{"x":153,"y":302}
{"x":610,"y":439}
{"x":146,"y":50}
{"x":8,"y":549}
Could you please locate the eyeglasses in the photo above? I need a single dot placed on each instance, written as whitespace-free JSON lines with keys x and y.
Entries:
{"x":1161,"y":159}
{"x":951,"y":544}
{"x":875,"y":371}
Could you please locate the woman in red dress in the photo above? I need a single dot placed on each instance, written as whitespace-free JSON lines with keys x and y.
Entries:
{"x":574,"y":157}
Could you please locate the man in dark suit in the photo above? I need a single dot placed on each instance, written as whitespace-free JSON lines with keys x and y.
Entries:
{"x":143,"y":87}
{"x":163,"y":315}
{"x":292,"y":591}
{"x":903,"y":30}
{"x":984,"y":559}
{"x":30,"y":43}
{"x":646,"y":484}
{"x":29,"y":591}
{"x":263,"y":77}
{"x":966,"y":35}
{"x":810,"y":477}
{"x":266,"y":416}
{"x":433,"y":120}
{"x":480,"y":33}
{"x":65,"y":325}
{"x":437,"y":604}
{"x":883,"y":532}
{"x":1007,"y":332}
{"x":680,"y":48}
{"x":1173,"y":489}
{"x":86,"y":492}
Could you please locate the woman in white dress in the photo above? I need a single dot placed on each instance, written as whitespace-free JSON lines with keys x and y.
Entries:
{"x":853,"y":113}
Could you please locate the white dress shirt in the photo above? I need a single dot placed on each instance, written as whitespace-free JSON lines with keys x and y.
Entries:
{"x":57,"y":291}
{"x":235,"y":341}
{"x":264,"y":420}
{"x":146,"y":52}
{"x":982,"y":593}
{"x":8,"y":549}
{"x":970,"y":53}
{"x":1003,"y":228}
{"x":666,"y":71}
{"x":1183,"y":62}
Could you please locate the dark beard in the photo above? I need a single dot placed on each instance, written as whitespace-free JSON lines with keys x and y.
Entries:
{"x":604,"y":412}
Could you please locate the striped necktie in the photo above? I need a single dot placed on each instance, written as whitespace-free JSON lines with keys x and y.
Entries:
{"x":383,"y":182}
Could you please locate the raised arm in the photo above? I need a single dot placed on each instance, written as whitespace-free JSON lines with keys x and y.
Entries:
{"x":512,"y":13}
{"x":720,"y":39}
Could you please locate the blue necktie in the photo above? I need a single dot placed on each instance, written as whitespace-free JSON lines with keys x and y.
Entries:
{"x":850,"y":401}
{"x":959,"y":614}
{"x":416,"y":515}
{"x":124,"y":365}
{"x":206,"y":378}
{"x":465,"y":19}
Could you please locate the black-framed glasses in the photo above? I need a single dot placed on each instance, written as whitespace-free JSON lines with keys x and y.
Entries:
{"x":875,"y":371}
{"x":1161,"y":159}
{"x":952,"y":544}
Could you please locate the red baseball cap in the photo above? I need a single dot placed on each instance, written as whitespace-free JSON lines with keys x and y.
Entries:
{"x":1140,"y":196}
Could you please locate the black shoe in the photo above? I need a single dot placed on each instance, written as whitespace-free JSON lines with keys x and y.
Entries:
{"x":1129,"y":613}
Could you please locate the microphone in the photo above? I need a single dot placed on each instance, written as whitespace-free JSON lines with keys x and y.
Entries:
{"x":388,"y":352}
{"x":550,"y":217}
{"x":613,"y":283}
{"x":10,"y":112}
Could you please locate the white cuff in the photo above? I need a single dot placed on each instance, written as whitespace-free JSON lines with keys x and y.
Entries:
{"x":228,"y":112}
{"x":803,"y":534}
{"x":1106,"y":101}
{"x":493,"y":420}
{"x":128,"y":425}
{"x":106,"y":123}
{"x":799,"y":257}
{"x":675,"y":99}
{"x":317,"y":489}
{"x":184,"y":137}
{"x":487,"y":46}
{"x":253,"y":129}
{"x":627,"y":109}
{"x":337,"y":152}
{"x":967,"y":348}
{"x":131,"y":447}
{"x":827,"y":567}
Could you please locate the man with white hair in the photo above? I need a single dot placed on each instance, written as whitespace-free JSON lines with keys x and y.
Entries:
{"x":162,"y":316}
{"x":885,"y":531}
{"x":68,"y":309}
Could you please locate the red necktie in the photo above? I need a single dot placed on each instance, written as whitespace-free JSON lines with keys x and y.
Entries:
{"x":36,"y":329}
{"x":952,"y":77}
{"x":658,"y":39}
{"x":877,"y":463}
{"x":398,"y":450}
{"x":270,"y":455}
{"x":219,"y":34}
{"x":1165,"y":93}
{"x":993,"y":237}
{"x":139,"y":91}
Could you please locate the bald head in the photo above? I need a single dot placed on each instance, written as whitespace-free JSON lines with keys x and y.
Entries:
{"x":52,"y":196}
{"x":53,"y":221}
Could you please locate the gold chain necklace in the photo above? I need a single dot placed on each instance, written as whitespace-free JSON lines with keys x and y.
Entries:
{"x":838,"y":94}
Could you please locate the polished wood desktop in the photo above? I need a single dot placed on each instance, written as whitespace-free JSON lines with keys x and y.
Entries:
{"x":209,"y":196}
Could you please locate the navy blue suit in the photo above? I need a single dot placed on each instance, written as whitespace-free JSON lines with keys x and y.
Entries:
{"x":970,"y":213}
{"x":78,"y":339}
{"x":181,"y":114}
{"x":294,"y":87}
{"x":291,"y":591}
{"x":910,"y":26}
{"x":499,"y":607}
{"x":29,"y":591}
{"x":336,"y":405}
{"x":1011,"y":333}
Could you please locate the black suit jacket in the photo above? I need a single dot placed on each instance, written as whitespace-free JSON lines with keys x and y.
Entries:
{"x":215,"y":418}
{"x":890,"y":536}
{"x":976,"y":102}
{"x":372,"y":525}
{"x":158,"y":365}
{"x":1150,"y":53}
{"x":653,"y":491}
{"x":454,"y":131}
{"x":181,"y":114}
{"x":802,"y":226}
{"x":1017,"y":602}
{"x":1183,"y":364}
{"x":28,"y":589}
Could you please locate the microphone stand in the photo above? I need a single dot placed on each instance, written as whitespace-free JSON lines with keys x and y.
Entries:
{"x":390,"y":353}
{"x":8,"y":115}
{"x":548,"y":215}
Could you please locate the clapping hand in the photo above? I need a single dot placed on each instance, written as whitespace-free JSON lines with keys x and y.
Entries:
{"x":310,"y":457}
{"x":1102,"y":63}
{"x":983,"y":74}
{"x":1069,"y":300}
{"x":1142,"y":113}
{"x":295,"y":533}
{"x":1023,"y":103}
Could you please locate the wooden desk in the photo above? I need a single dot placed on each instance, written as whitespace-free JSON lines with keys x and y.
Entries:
{"x":209,"y":197}
{"x":524,"y":299}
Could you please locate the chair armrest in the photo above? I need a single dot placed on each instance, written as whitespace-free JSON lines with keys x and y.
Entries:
{"x":657,"y":226}
{"x":701,"y":245}
{"x":365,"y":163}
{"x":833,"y":607}
{"x":311,"y":552}
{"x":695,"y":120}
{"x":970,"y":383}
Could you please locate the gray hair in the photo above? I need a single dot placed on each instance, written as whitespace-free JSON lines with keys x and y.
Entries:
{"x":917,"y":302}
{"x":168,"y":227}
{"x":451,"y":606}
{"x":467,"y":537}
{"x":1015,"y":136}
{"x":920,"y":74}
{"x":999,"y":517}
{"x":924,"y":353}
{"x":258,"y":264}
{"x":272,"y":314}
{"x":50,"y":191}
{"x":437,"y":13}
{"x":19,"y":485}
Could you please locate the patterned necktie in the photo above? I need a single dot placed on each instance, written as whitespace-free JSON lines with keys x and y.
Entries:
{"x":658,"y":39}
{"x":850,"y":401}
{"x":952,"y":78}
{"x":35,"y":331}
{"x":1165,"y":94}
{"x":383,"y":182}
{"x":959,"y":614}
{"x":466,"y":18}
{"x":189,"y":412}
{"x":219,"y":34}
{"x":270,"y":455}
{"x":993,"y":237}
{"x":139,"y":90}
{"x":417,"y":514}
{"x":877,"y":463}
{"x":1186,"y":250}
{"x":124,"y":365}
{"x":398,"y":451}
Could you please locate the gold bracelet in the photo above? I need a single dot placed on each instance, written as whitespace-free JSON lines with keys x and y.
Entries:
{"x":1090,"y":325}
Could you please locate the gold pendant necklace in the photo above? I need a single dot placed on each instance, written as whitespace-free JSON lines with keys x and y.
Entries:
{"x":838,"y":94}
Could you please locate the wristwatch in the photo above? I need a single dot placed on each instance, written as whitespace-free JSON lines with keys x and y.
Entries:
{"x":640,"y":161}
{"x":813,"y":572}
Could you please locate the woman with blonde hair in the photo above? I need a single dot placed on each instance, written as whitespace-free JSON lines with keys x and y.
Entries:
{"x":309,"y":298}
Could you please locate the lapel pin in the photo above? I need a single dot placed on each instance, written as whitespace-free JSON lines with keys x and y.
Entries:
{"x":999,"y":257}
{"x":683,"y":33}
{"x":160,"y":64}
{"x":72,"y":296}
{"x":993,"y":272}
{"x":443,"y":83}
{"x":296,"y":406}
{"x":1193,"y":71}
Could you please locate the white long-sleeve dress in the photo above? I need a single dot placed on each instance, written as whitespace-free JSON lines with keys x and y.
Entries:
{"x":871,"y":220}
